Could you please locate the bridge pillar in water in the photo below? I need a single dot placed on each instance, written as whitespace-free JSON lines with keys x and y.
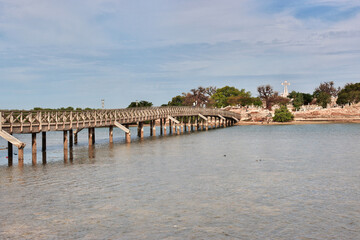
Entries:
{"x":127,"y":135}
{"x":21,"y":156}
{"x":90,"y":136}
{"x":93,"y":136}
{"x":65,"y":140}
{"x":207,"y":125}
{"x":10,"y":154}
{"x":76,"y":137}
{"x":170,"y":127}
{"x":165,"y":130}
{"x":182,"y":125}
{"x":43,"y":147}
{"x":111,"y":134}
{"x":161,"y":126}
{"x":34,"y":148}
{"x":71,"y":143}
{"x":154,"y":128}
{"x":140,"y":130}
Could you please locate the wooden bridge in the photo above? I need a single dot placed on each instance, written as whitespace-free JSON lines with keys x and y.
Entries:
{"x":179,"y":119}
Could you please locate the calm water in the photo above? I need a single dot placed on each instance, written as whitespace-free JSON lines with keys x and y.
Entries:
{"x":245,"y":182}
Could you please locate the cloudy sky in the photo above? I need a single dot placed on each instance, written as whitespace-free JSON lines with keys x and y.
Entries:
{"x":75,"y":53}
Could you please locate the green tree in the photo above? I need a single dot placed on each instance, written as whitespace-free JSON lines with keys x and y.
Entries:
{"x":349,"y":94}
{"x":177,"y":101}
{"x":198,"y":96}
{"x":142,"y":103}
{"x":222,"y":95}
{"x":244,"y":101}
{"x":283,"y":115}
{"x":324,"y":92}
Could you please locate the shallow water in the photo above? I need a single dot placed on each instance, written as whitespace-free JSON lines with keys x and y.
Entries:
{"x":244,"y":182}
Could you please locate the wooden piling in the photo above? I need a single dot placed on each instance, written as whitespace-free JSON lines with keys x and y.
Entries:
{"x":71,"y":143}
{"x":127,"y":135}
{"x":65,"y":141}
{"x":165,"y":130}
{"x":141,"y":130}
{"x":34,"y":149}
{"x":90,"y":137}
{"x":154,"y":128}
{"x":76,"y":138}
{"x":43,"y":147}
{"x":93,"y":135}
{"x":111,"y":134}
{"x":21,"y":156}
{"x":161,"y":127}
{"x":10,"y":154}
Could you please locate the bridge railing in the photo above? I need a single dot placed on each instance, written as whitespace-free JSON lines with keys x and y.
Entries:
{"x":20,"y":119}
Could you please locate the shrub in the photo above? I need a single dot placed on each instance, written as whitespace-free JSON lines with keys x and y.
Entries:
{"x":283,"y":115}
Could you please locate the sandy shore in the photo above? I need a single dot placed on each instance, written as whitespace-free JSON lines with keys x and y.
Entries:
{"x":301,"y":122}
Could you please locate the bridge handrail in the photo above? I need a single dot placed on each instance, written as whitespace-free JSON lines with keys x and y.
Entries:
{"x":13,"y":117}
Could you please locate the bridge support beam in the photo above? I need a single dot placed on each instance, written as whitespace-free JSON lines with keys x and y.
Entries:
{"x":165,"y":130}
{"x":154,"y":128}
{"x":140,"y":130}
{"x":34,"y":148}
{"x":161,"y":127}
{"x":90,"y":135}
{"x":127,"y":135}
{"x":21,"y":156}
{"x":111,"y":134}
{"x":43,"y":147}
{"x":65,"y":140}
{"x":10,"y":154}
{"x":71,"y":143}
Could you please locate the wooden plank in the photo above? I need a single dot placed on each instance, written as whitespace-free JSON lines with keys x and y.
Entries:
{"x":173,"y":119}
{"x":221,"y":117}
{"x":12,"y":139}
{"x":122,"y":127}
{"x":235,"y":119}
{"x":203,"y":117}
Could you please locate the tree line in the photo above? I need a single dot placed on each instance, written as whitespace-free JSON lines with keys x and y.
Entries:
{"x":232,"y":96}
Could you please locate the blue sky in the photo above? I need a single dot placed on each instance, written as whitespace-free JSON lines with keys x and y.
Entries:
{"x":75,"y":53}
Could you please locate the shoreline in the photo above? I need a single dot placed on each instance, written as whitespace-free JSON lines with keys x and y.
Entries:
{"x":301,"y":122}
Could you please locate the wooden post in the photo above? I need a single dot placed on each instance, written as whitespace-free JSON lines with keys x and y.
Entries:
{"x":151,"y":127}
{"x":127,"y":135}
{"x":161,"y":127}
{"x":141,"y":130}
{"x":65,"y":140}
{"x":207,"y":125}
{"x":43,"y":147}
{"x":93,"y":135}
{"x":43,"y":138}
{"x":170,"y":128}
{"x":154,"y":128}
{"x":90,"y":137}
{"x":21,"y":156}
{"x":165,"y":130}
{"x":76,"y":138}
{"x":10,"y":154}
{"x":71,"y":138}
{"x":192,"y":124}
{"x":111,"y":134}
{"x":33,"y":141}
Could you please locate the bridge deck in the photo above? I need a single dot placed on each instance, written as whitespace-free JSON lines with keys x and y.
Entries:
{"x":40,"y":121}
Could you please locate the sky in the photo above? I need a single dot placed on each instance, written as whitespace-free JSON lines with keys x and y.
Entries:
{"x":76,"y":52}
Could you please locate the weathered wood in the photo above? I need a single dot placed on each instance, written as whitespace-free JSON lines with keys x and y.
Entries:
{"x":11,"y":139}
{"x":10,"y":154}
{"x":34,"y":148}
{"x":71,"y":138}
{"x":125,"y":129}
{"x":90,"y":133}
{"x":127,"y":135}
{"x":20,"y":156}
{"x":173,"y":119}
{"x":111,"y":134}
{"x":43,"y":138}
{"x":141,"y":130}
